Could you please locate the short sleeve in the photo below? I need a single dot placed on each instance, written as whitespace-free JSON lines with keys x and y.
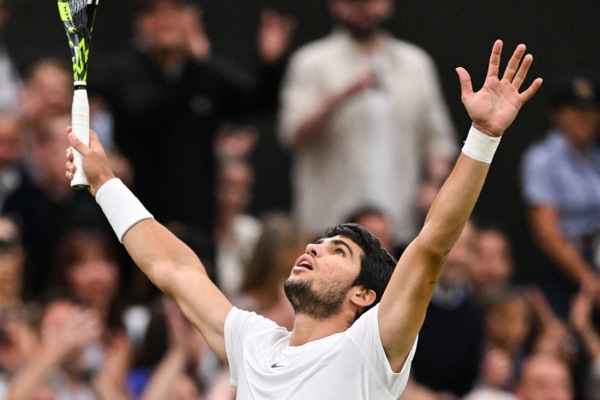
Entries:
{"x":365,"y":332}
{"x":240,"y":325}
{"x":536,"y":177}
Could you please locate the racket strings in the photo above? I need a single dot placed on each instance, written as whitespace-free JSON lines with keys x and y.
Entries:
{"x":79,"y":14}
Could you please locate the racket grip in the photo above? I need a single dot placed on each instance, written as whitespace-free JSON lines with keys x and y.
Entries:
{"x":81,"y":128}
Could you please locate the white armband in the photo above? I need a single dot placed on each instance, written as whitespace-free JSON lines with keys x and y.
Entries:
{"x":479,"y":146}
{"x":122,"y":209}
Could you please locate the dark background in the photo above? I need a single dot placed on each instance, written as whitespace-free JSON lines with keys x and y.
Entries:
{"x":562,"y":35}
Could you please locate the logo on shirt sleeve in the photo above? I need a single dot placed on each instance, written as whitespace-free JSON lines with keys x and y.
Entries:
{"x":276,"y":365}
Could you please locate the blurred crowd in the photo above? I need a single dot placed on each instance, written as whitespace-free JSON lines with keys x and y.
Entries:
{"x":361,"y":115}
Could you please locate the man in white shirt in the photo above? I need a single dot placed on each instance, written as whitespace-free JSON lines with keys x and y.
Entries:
{"x":362,"y":106}
{"x":346,"y":343}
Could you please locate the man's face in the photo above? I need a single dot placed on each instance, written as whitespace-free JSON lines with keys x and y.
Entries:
{"x":545,"y":379}
{"x":581,"y":124}
{"x":322,"y":277}
{"x":361,"y":17}
{"x":160,"y":26}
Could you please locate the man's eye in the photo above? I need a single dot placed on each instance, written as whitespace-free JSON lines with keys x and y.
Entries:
{"x":340,"y":252}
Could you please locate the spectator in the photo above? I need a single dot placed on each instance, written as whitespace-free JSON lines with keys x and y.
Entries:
{"x":10,"y":81}
{"x":561,"y":185}
{"x":508,"y":324}
{"x":66,"y":358}
{"x":236,"y":232}
{"x":450,"y":342}
{"x":168,"y":97}
{"x":87,"y":267}
{"x":379,"y":224}
{"x":48,"y":93}
{"x":495,"y":262}
{"x":544,"y":378}
{"x":361,"y":106}
{"x":580,"y":317}
{"x":170,"y":379}
{"x":46,"y":208}
{"x":162,"y":352}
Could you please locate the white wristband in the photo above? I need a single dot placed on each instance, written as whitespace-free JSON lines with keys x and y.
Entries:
{"x":122,"y":209}
{"x":479,"y":146}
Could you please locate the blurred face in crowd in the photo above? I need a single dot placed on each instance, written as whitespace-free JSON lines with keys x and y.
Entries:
{"x":160,"y":26}
{"x":9,"y":140}
{"x":462,"y":255}
{"x":362,"y":18}
{"x":507,"y":323}
{"x":544,"y":378}
{"x":495,"y":263}
{"x":48,"y":92}
{"x":234,"y":187}
{"x":93,"y":277}
{"x":380,"y":226}
{"x":580,"y":124}
{"x":47,"y":157}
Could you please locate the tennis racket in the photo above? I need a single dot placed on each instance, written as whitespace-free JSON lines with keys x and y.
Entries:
{"x":78,"y":18}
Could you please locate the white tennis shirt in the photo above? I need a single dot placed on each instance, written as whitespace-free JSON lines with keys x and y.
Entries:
{"x":345,"y":366}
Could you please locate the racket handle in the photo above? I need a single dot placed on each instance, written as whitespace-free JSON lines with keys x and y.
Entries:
{"x":81,"y":128}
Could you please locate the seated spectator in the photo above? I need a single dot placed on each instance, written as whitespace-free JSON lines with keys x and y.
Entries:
{"x":47,"y":93}
{"x":200,"y":364}
{"x":581,"y":322}
{"x":543,"y":378}
{"x":236,"y":232}
{"x":495,"y":265}
{"x":89,"y":270}
{"x":280,"y":242}
{"x":171,"y":378}
{"x":66,"y":360}
{"x":379,"y":224}
{"x":46,"y":208}
{"x":508,"y":323}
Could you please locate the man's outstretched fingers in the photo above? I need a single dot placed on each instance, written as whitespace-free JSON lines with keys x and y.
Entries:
{"x":466,"y":86}
{"x":522,"y":72}
{"x":531,"y":90}
{"x":494,"y":66}
{"x":513,"y":64}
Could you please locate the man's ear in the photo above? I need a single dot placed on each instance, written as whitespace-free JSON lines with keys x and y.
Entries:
{"x":363,"y":297}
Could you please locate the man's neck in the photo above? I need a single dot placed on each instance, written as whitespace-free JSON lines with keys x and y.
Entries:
{"x":308,"y":329}
{"x":368,"y":43}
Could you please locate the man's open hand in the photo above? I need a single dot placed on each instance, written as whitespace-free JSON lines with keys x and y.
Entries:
{"x":495,"y":106}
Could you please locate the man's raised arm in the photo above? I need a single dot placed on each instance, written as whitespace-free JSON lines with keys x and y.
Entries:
{"x":172,"y":266}
{"x":492,"y":109}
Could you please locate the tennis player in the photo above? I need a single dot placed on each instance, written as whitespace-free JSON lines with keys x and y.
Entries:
{"x":346,"y":343}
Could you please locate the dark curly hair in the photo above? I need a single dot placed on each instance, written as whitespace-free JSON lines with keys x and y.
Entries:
{"x":376,"y":266}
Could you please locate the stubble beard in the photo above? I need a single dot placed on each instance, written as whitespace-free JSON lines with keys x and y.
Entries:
{"x":306,"y":300}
